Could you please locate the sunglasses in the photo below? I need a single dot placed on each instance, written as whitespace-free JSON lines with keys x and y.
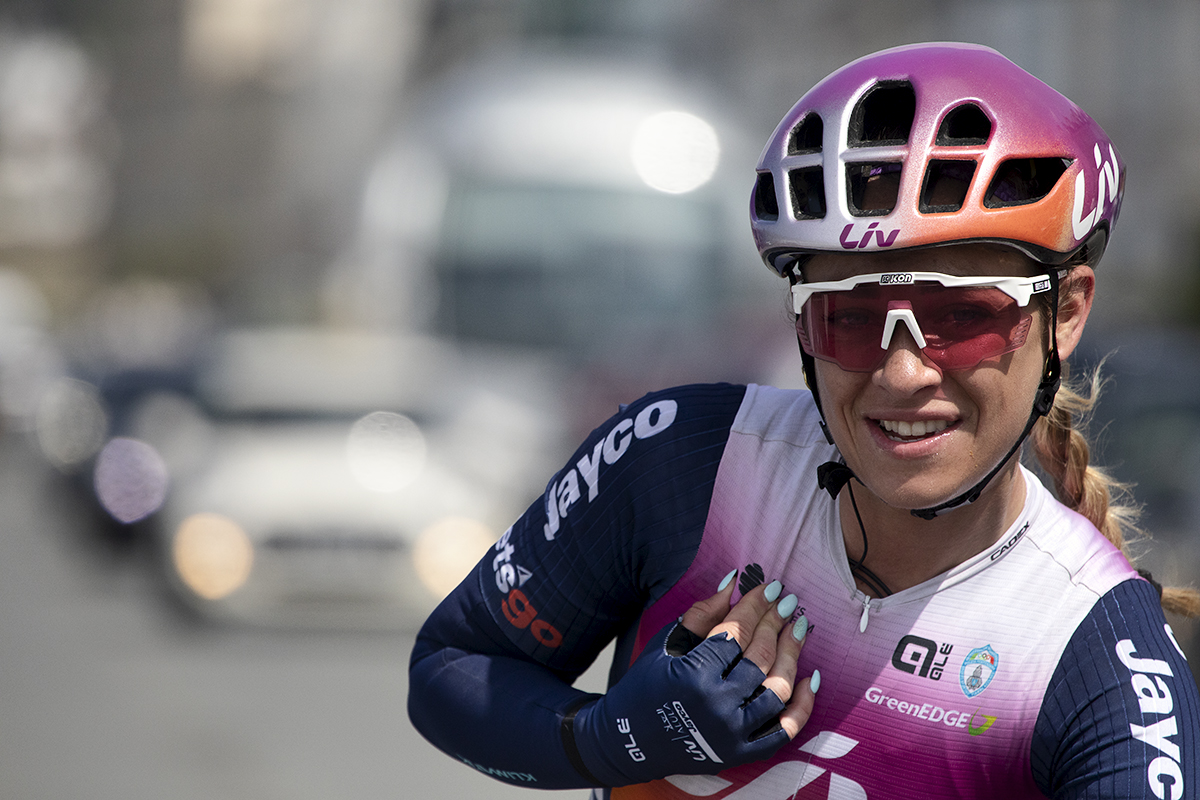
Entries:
{"x":956,"y":321}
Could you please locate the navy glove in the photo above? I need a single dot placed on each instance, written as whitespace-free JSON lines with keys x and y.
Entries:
{"x":687,"y":706}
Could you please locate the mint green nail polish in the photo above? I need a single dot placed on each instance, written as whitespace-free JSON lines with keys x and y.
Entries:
{"x":800,"y":629}
{"x":816,"y":681}
{"x":773,"y":590}
{"x":787,"y":606}
{"x":725,"y":581}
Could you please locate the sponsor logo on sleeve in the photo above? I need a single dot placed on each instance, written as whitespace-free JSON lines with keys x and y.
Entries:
{"x":565,"y":492}
{"x":522,"y":615}
{"x":516,"y":607}
{"x":503,"y":774}
{"x":1149,"y":680}
{"x":507,"y":573}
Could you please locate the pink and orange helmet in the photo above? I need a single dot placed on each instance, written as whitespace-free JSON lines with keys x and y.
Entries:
{"x":934,"y":144}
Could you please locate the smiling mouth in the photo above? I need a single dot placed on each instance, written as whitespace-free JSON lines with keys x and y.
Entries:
{"x":900,"y":431}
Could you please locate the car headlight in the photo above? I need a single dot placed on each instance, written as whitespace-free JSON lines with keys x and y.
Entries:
{"x":213,"y":556}
{"x":447,"y":550}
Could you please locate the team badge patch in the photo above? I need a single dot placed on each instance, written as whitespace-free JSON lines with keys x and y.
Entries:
{"x":978,"y":669}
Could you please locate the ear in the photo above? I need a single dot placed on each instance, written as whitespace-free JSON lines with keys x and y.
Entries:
{"x":1076,"y":293}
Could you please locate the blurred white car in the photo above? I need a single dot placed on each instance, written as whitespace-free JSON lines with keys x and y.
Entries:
{"x":333,"y":478}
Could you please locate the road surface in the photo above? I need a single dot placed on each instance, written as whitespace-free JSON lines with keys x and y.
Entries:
{"x":106,"y":695}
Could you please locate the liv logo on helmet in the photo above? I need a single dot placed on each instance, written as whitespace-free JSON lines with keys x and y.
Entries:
{"x":1082,"y":224}
{"x":858,"y":244}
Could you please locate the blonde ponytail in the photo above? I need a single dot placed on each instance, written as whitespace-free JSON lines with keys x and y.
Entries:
{"x":1063,"y":453}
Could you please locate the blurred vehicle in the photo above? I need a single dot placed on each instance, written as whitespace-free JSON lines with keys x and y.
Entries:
{"x":133,"y":340}
{"x":314,"y":477}
{"x":589,"y":208}
{"x":533,"y":216}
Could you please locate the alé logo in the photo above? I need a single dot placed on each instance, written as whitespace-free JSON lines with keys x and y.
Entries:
{"x":786,"y":779}
{"x":1106,"y":171}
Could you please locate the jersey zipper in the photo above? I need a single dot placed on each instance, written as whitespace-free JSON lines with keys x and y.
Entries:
{"x":866,"y":612}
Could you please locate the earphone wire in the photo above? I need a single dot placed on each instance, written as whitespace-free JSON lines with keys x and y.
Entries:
{"x":857,"y":566}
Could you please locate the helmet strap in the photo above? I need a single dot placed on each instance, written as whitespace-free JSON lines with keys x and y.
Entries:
{"x":810,"y":378}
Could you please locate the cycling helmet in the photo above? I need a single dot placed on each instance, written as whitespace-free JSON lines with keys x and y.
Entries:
{"x":933,"y":144}
{"x":928,"y":145}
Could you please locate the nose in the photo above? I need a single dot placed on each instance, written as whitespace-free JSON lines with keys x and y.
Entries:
{"x":905,"y":369}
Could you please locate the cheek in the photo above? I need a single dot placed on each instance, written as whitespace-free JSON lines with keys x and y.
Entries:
{"x":838,"y":389}
{"x":1004,"y":394}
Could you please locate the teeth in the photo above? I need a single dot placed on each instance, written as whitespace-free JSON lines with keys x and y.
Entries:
{"x":910,"y":430}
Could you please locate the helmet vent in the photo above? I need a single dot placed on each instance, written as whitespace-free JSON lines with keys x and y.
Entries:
{"x":1021,"y":181}
{"x":873,"y":187}
{"x":963,"y":126}
{"x":884,"y":116}
{"x":808,"y":192}
{"x":766,"y":205}
{"x":946,"y":186}
{"x":806,"y":137}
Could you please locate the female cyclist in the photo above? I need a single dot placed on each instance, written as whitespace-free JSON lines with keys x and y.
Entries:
{"x":858,"y":591}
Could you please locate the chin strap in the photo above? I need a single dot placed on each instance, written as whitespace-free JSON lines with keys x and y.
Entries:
{"x":1046,"y":392}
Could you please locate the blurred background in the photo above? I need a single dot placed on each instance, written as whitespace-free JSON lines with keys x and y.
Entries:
{"x":302,"y":301}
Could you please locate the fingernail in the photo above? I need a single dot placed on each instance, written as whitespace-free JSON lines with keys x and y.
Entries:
{"x":816,"y":681}
{"x":787,"y":606}
{"x":800,"y":629}
{"x":725,"y":581}
{"x":773,"y":590}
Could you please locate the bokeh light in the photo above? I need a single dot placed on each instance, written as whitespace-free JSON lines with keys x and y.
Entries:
{"x":213,"y":555}
{"x":71,"y":423}
{"x":446,"y":551}
{"x":675,"y":152}
{"x":131,"y":479}
{"x":386,"y":451}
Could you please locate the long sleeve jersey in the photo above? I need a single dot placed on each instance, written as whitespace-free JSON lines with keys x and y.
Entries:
{"x":1042,"y":667}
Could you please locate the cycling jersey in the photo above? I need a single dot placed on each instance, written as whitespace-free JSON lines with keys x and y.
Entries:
{"x":1043,"y":666}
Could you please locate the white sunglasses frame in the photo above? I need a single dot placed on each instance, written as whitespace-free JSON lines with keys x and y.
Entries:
{"x":1018,"y":288}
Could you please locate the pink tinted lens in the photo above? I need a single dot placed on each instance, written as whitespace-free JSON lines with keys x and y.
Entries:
{"x":961,"y":325}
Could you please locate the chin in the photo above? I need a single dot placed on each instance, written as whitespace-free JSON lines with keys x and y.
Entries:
{"x":907,"y":497}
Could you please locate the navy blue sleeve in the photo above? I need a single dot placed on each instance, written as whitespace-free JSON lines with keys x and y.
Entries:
{"x":490,"y":674}
{"x":1121,"y":716}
